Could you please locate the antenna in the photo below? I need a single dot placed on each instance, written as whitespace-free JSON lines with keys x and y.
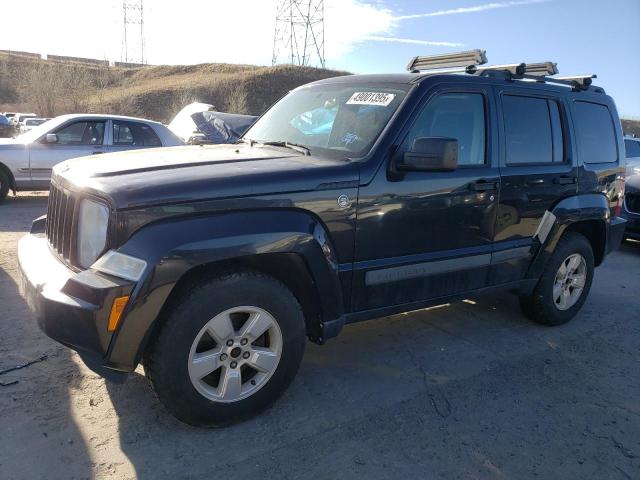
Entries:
{"x":299,"y":32}
{"x":133,"y":32}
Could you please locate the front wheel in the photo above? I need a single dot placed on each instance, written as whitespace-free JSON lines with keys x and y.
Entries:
{"x":565,"y":283}
{"x":227,"y":349}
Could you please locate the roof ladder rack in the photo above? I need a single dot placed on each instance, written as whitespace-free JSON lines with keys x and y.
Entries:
{"x":473,"y":62}
{"x":452,"y":60}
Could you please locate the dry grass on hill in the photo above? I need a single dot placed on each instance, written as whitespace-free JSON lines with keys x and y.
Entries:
{"x":158,"y":92}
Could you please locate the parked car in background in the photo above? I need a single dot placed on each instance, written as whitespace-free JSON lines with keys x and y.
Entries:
{"x":31,"y":122}
{"x":7,"y":128}
{"x":9,"y":115}
{"x":631,"y":209}
{"x":200,"y":123}
{"x":26,"y":161}
{"x":21,"y":117}
{"x":632,"y":148}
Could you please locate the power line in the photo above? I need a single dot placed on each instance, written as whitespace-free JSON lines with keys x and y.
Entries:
{"x":299,"y":32}
{"x":133,"y":43}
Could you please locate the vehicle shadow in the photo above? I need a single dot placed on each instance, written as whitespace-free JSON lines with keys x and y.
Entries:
{"x":369,"y":370}
{"x":40,"y":437}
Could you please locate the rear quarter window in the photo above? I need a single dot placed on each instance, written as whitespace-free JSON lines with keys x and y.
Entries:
{"x":595,"y":133}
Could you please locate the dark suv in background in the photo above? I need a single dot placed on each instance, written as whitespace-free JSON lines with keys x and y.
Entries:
{"x":7,"y":128}
{"x":352,"y":198}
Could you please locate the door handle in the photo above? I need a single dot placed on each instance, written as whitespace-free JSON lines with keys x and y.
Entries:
{"x":97,"y":152}
{"x":483,"y":186}
{"x":564,"y":180}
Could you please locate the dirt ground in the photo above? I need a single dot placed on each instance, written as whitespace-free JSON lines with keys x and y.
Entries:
{"x":468,"y":390}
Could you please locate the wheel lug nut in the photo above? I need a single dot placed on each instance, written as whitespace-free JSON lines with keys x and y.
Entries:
{"x":244,"y":341}
{"x":246,"y":355}
{"x":229,"y":343}
{"x":223,"y":357}
{"x":234,"y":364}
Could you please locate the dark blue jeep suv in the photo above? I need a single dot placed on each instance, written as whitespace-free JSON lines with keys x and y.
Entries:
{"x":352,"y":198}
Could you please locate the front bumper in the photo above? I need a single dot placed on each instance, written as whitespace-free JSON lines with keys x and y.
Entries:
{"x":71,"y":307}
{"x":616,"y":233}
{"x":633,"y":224}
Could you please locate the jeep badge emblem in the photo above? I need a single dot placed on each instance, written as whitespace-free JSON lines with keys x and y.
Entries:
{"x":343,"y":201}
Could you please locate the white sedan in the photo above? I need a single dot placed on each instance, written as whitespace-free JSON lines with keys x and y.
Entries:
{"x":26,"y":161}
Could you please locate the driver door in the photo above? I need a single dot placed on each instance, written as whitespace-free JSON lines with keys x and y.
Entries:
{"x":76,"y":139}
{"x":422,"y":235}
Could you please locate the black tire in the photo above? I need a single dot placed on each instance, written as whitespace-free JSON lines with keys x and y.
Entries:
{"x":540,"y":305}
{"x":4,"y":185}
{"x":167,"y":355}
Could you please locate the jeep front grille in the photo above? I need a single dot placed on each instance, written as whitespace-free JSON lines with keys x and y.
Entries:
{"x":632,"y":202}
{"x":61,"y":219}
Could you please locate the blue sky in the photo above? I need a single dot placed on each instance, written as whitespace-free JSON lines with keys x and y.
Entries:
{"x":362,"y":36}
{"x":583,"y":36}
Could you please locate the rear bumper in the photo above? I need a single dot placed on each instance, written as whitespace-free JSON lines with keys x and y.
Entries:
{"x":71,"y":308}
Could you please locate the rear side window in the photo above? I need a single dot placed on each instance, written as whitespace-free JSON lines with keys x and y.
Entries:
{"x":134,"y":134}
{"x":595,"y":133}
{"x":533,"y":130}
{"x":633,"y":148}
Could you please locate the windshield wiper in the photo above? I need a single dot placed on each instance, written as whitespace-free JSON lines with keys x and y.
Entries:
{"x":293,"y":146}
{"x":246,"y":140}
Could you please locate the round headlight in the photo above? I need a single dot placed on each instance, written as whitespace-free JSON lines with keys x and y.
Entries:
{"x":93,"y":220}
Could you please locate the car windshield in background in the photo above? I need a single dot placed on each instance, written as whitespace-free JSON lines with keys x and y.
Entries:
{"x":333,"y":118}
{"x":38,"y":131}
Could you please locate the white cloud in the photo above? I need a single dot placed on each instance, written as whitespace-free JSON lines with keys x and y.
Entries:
{"x":412,"y":41}
{"x":474,"y":9}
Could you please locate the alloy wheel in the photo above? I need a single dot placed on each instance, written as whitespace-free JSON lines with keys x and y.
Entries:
{"x":569,"y":281}
{"x":235,"y":354}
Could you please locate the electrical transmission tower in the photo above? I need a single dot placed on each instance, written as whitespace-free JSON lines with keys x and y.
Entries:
{"x":299,"y":33}
{"x":132,"y":32}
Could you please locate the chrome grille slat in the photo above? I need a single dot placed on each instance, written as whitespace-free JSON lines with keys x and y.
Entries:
{"x":61,"y":212}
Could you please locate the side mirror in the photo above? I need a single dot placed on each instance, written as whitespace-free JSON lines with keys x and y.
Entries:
{"x":430,"y":154}
{"x":51,"y":138}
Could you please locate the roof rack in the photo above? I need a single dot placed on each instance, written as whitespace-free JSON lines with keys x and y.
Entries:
{"x":582,"y":80}
{"x":452,"y":60}
{"x":473,"y":62}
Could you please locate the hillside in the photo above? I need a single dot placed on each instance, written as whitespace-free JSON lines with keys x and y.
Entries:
{"x":53,"y":88}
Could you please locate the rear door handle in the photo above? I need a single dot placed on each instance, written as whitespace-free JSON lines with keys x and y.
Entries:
{"x":483,"y":186}
{"x":96,"y":152}
{"x":564,"y":180}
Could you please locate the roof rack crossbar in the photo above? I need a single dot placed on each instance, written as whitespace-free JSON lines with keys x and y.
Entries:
{"x":452,"y":60}
{"x":582,"y":80}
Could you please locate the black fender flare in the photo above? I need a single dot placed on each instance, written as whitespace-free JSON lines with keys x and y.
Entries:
{"x":175,"y":246}
{"x":567,"y":212}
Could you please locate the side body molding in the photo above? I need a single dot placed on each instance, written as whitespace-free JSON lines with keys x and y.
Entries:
{"x":569,"y":211}
{"x":173,"y":247}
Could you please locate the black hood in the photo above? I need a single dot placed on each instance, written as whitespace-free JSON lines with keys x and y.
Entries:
{"x":183,"y":174}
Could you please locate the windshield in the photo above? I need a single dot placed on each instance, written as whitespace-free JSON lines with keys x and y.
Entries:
{"x":335,"y":118}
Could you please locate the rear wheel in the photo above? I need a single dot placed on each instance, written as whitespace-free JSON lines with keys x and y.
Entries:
{"x":4,"y":185}
{"x":565,"y":283}
{"x":227,"y":349}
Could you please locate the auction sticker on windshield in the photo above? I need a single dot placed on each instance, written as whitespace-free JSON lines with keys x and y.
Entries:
{"x":371,"y":98}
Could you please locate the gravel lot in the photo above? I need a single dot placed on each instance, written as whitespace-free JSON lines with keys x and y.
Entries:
{"x":468,"y":390}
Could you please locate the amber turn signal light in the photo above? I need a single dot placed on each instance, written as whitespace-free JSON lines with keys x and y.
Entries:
{"x":116,"y":312}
